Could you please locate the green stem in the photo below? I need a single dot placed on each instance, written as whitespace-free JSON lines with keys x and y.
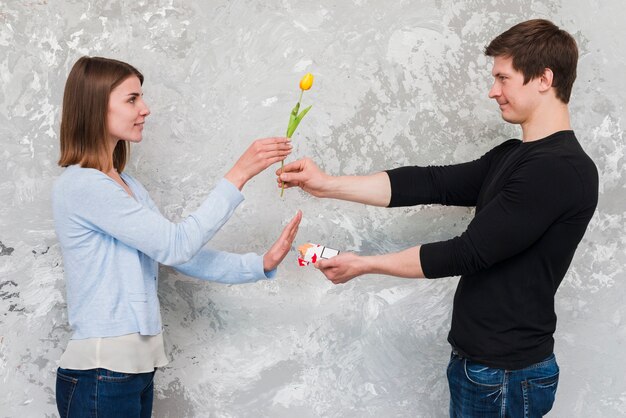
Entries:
{"x":282,"y":183}
{"x":282,"y":163}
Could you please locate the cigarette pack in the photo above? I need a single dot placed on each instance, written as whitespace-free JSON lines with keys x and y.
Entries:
{"x":310,"y":253}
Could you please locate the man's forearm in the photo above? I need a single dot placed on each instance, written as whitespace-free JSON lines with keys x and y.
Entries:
{"x":401,"y":264}
{"x":374,"y":189}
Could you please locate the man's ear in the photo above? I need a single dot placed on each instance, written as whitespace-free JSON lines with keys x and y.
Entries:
{"x":545,"y":80}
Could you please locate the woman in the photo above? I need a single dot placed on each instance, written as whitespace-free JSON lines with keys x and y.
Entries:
{"x":112,"y":237}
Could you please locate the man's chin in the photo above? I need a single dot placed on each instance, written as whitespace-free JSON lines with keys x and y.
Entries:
{"x":509,"y":119}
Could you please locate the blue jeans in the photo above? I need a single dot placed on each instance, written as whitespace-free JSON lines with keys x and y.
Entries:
{"x":480,"y":391}
{"x":103,"y":393}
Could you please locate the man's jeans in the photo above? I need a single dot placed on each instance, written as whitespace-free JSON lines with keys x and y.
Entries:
{"x":103,"y":393}
{"x":480,"y":391}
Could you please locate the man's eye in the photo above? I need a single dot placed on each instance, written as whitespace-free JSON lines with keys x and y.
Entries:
{"x":132,"y":100}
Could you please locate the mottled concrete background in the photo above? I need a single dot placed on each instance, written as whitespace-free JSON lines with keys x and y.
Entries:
{"x":397,"y":82}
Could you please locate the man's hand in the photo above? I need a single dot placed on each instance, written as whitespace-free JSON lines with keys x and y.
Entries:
{"x":373,"y":189}
{"x":260,"y":155}
{"x":304,"y":174}
{"x":343,"y":267}
{"x":347,"y":266}
{"x":278,"y":251}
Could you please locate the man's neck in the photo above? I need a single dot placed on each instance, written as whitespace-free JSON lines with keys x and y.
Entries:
{"x":546,"y":121}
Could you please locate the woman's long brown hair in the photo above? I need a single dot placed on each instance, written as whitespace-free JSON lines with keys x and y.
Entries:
{"x":84,"y":130}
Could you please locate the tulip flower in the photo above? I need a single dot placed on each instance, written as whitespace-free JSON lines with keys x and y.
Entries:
{"x":294,"y":118}
{"x":306,"y":82}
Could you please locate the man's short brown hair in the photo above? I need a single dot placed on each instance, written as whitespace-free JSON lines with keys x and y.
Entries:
{"x":538,"y":44}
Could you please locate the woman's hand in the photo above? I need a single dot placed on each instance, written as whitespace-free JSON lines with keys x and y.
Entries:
{"x":278,"y":251}
{"x":260,"y":155}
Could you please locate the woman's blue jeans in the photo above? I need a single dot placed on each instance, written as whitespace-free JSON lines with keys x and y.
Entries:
{"x":480,"y":391}
{"x":104,"y":393}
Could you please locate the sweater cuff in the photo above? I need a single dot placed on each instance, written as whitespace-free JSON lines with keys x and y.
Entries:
{"x":259,"y":273}
{"x":409,"y":186}
{"x":229,"y":191}
{"x":434,"y":260}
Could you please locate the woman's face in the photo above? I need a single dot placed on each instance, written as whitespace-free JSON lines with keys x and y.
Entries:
{"x":127,"y":111}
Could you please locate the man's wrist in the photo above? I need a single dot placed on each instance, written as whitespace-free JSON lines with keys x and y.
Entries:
{"x":331,"y":187}
{"x":368,"y":265}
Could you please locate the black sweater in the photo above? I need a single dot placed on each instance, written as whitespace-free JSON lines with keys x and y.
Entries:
{"x":533,"y":203}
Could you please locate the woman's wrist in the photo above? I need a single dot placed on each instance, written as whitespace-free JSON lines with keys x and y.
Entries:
{"x":268,"y":264}
{"x":237,"y":178}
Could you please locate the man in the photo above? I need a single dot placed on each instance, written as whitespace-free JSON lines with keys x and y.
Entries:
{"x":534,"y":199}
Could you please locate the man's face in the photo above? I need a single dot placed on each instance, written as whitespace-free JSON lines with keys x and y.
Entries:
{"x":517,"y":100}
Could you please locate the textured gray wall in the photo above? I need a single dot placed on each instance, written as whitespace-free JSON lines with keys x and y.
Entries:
{"x":397,"y":82}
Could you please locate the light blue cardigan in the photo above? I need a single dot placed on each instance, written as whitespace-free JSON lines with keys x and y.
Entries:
{"x":112,"y":245}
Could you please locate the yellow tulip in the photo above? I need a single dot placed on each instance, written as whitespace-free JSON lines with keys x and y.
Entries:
{"x":307,"y":81}
{"x":294,"y":117}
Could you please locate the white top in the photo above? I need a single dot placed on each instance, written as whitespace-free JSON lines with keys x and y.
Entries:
{"x":131,"y":353}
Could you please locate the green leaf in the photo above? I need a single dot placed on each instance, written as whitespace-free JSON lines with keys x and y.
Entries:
{"x":292,"y":118}
{"x":293,"y":125}
{"x":304,"y":112}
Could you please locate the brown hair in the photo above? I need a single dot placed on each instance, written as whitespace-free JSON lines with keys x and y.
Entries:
{"x":538,"y":44}
{"x":84,"y":115}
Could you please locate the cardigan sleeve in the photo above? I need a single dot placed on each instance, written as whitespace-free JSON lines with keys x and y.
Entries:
{"x":225,"y":267}
{"x":93,"y":201}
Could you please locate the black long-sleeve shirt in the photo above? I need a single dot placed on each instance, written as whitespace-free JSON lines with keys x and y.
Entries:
{"x":533,"y":202}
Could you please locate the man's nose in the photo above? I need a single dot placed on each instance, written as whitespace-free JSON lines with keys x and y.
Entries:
{"x":495,"y":91}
